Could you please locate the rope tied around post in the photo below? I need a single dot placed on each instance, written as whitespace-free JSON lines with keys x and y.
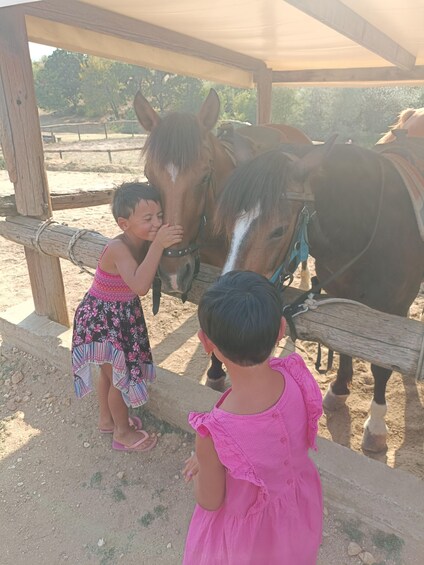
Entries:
{"x":39,"y":231}
{"x":70,"y":250}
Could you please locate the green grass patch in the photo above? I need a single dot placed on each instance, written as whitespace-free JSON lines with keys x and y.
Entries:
{"x":118,"y":494}
{"x":390,"y":543}
{"x":352,"y":529}
{"x":160,"y":510}
{"x":159,"y":426}
{"x":96,"y":480}
{"x":108,"y":556}
{"x":146,"y":519}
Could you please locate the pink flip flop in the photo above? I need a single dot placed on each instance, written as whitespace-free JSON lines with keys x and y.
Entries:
{"x":138,"y":445}
{"x":134,"y":421}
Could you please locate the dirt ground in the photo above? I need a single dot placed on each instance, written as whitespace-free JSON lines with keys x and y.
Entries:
{"x":69,"y":498}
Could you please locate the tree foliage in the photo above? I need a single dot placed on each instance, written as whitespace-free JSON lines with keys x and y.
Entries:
{"x":57,"y":80}
{"x":103,"y":88}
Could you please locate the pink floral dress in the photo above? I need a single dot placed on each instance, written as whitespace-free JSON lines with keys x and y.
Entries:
{"x":109,"y":327}
{"x":272,"y":513}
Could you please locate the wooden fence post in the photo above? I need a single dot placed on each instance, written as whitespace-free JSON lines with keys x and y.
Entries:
{"x":20,"y":136}
{"x":264,"y":103}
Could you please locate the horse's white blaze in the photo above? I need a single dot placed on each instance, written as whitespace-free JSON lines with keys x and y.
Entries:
{"x":173,"y":282}
{"x":243,"y":223}
{"x":173,"y":171}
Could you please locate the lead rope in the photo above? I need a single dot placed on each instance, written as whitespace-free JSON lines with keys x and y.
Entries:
{"x":299,"y":305}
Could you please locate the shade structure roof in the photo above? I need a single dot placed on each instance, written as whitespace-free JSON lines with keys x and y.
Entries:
{"x":302,"y":42}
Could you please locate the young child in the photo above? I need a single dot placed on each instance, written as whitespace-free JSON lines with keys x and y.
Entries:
{"x":109,"y":326}
{"x":258,"y":494}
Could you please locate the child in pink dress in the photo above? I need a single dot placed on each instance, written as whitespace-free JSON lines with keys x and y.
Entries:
{"x":109,"y":327}
{"x":258,"y":493}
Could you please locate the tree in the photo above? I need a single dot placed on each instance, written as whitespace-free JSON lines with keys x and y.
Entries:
{"x":169,"y":92}
{"x":57,"y":80}
{"x":103,"y":86}
{"x":286,"y":108}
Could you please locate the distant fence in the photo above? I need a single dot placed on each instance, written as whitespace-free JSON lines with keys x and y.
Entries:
{"x":108,"y":151}
{"x":130,"y":127}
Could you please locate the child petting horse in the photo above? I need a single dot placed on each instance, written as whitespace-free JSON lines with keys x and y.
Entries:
{"x":109,"y":326}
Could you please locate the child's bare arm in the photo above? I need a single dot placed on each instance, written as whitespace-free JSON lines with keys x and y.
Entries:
{"x":191,"y":468}
{"x":209,"y":482}
{"x":139,"y":277}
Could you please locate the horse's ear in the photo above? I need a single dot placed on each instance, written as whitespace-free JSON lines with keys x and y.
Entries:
{"x":209,"y":112}
{"x":147,"y":117}
{"x":313,"y":159}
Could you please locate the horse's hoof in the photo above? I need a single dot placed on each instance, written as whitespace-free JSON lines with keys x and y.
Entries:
{"x":374,"y":443}
{"x":219,"y":385}
{"x":332,"y":402}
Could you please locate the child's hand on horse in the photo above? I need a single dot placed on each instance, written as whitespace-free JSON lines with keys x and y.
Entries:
{"x":169,"y":235}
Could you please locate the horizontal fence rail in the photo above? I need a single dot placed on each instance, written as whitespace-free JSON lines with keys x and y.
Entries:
{"x":130,"y":127}
{"x":354,"y":329}
{"x":63,"y":200}
{"x":108,"y":151}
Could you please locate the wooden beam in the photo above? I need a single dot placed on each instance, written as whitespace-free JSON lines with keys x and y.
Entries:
{"x":264,"y":101}
{"x":92,"y":18}
{"x":354,"y":329}
{"x":63,"y":200}
{"x":346,"y":21}
{"x":23,"y":152}
{"x":374,"y":74}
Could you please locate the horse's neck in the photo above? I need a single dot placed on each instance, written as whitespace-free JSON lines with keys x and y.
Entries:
{"x":224,"y":162}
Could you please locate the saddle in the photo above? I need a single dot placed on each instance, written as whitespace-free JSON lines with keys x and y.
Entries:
{"x":407,"y":156}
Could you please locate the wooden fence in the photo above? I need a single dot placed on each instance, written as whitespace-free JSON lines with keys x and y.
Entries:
{"x":61,"y":151}
{"x":389,"y":341}
{"x":79,"y":128}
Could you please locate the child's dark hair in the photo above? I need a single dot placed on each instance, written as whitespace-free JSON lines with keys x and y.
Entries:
{"x":241,"y":315}
{"x":128,"y":195}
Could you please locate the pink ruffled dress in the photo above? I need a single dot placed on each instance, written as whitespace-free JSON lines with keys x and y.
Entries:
{"x":272,"y":513}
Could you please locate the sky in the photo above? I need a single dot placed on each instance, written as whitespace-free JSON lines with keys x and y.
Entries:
{"x":37,"y":51}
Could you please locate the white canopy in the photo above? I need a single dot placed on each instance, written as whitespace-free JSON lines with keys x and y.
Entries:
{"x":354,"y":42}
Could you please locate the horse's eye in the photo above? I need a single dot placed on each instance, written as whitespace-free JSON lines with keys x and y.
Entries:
{"x":277,"y":233}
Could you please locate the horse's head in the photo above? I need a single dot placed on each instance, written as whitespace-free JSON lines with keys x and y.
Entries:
{"x":410,"y":120}
{"x":260,"y":206}
{"x":179,"y":162}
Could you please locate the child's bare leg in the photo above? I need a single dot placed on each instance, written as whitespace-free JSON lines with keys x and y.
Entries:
{"x":123,"y":432}
{"x":103,"y":386}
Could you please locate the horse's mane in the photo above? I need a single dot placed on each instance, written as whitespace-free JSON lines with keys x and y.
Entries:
{"x":176,"y":139}
{"x":400,"y":123}
{"x":261,"y":180}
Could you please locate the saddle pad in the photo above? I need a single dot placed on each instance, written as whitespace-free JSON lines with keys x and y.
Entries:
{"x":414,"y":182}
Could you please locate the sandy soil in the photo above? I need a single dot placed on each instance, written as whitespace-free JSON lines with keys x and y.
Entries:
{"x":69,"y":497}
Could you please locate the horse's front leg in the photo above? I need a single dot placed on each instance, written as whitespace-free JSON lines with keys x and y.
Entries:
{"x":375,"y":430}
{"x":338,"y":391}
{"x":305,"y":276}
{"x":216,"y":375}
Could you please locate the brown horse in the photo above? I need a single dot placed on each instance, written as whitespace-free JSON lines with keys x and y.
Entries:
{"x":361,"y":209}
{"x":410,"y":120}
{"x":189,"y":166}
